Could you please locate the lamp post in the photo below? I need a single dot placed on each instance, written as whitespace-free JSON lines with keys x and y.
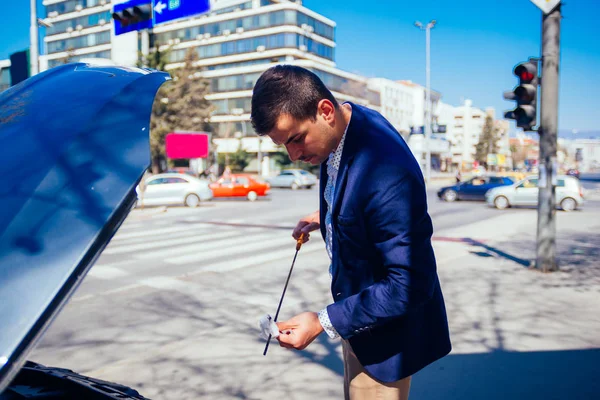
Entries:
{"x":33,"y":37}
{"x":427,"y":28}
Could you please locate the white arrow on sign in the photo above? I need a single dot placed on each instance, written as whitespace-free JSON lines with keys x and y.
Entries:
{"x":159,"y":7}
{"x":546,"y":5}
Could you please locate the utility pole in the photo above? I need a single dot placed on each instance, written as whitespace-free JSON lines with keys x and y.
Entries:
{"x":33,"y":39}
{"x":548,"y":130}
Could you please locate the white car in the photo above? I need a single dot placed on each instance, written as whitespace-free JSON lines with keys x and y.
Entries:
{"x":294,"y":179}
{"x":568,"y":195}
{"x":174,"y":188}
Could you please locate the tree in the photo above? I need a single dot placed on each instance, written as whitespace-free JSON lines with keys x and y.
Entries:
{"x":488,"y":141}
{"x":180,"y":104}
{"x":239,"y":160}
{"x":282,"y":159}
{"x":156,"y":60}
{"x":518,"y":153}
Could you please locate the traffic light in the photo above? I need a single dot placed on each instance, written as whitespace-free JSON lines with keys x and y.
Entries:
{"x":134,"y":15}
{"x":525,"y":94}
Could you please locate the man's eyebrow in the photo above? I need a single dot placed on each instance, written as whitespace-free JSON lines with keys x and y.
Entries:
{"x":294,"y":136}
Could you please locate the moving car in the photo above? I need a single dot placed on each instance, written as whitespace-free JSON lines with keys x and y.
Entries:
{"x":573,"y":172}
{"x":240,"y":185}
{"x":84,"y":156}
{"x":568,"y":196}
{"x":174,"y":188}
{"x":473,"y":189}
{"x":293,"y":179}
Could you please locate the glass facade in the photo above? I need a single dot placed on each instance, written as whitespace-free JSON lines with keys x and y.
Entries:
{"x":277,"y":18}
{"x":234,"y":82}
{"x":4,"y":79}
{"x":227,"y":129}
{"x":92,"y":39}
{"x":244,"y":63}
{"x":277,"y":41}
{"x":61,"y":61}
{"x":86,"y":21}
{"x":224,"y":107}
{"x":243,"y":6}
{"x":69,"y":6}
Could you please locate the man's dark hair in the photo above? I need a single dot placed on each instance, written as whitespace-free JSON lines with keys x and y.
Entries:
{"x":286,"y":89}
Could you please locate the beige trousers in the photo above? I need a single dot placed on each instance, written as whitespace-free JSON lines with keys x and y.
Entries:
{"x":358,"y":385}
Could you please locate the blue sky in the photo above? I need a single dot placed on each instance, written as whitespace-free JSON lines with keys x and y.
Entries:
{"x":474,"y":47}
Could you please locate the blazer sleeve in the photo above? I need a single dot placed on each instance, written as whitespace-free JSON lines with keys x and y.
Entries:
{"x":400,"y":228}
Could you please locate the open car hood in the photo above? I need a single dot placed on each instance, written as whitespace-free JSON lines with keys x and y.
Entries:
{"x":74,"y":144}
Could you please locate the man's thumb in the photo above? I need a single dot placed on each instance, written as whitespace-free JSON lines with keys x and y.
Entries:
{"x":284,"y":326}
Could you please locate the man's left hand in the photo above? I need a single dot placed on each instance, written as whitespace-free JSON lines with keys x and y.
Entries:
{"x":299,"y":331}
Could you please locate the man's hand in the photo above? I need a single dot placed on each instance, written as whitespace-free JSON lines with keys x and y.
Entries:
{"x":298,"y":332}
{"x":306,"y":225}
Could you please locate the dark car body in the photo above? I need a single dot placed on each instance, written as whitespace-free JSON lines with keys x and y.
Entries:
{"x":473,"y":189}
{"x":573,"y":172}
{"x":74,"y":146}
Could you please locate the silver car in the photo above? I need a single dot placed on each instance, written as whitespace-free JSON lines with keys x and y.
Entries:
{"x":174,"y":188}
{"x":569,"y":194}
{"x":294,"y":179}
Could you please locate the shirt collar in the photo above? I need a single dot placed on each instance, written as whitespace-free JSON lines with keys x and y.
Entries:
{"x":336,"y":157}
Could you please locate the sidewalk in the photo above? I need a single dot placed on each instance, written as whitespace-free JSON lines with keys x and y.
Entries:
{"x":516,"y":333}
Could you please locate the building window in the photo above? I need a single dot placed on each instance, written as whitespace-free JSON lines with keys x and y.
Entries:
{"x":60,"y":61}
{"x":277,"y":18}
{"x":85,"y":22}
{"x":69,"y":6}
{"x":280,"y":40}
{"x":224,"y":107}
{"x":92,"y":39}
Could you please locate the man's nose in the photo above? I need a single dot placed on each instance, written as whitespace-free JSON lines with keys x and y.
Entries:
{"x":294,"y":153}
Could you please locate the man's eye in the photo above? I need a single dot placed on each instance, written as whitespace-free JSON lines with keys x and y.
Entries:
{"x":298,"y":139}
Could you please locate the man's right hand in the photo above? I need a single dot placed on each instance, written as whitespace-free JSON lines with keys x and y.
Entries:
{"x":306,"y":225}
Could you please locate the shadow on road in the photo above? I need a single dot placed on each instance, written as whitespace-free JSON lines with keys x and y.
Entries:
{"x":501,"y":375}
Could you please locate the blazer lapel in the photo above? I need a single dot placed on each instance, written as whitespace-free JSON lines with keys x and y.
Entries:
{"x":350,"y":146}
{"x":323,"y":177}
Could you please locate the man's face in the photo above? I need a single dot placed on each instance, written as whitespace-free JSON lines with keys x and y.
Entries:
{"x":308,"y":141}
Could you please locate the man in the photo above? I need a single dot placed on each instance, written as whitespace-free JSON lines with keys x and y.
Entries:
{"x":388,"y":306}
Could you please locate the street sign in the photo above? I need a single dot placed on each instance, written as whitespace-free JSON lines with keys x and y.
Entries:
{"x":132,"y":15}
{"x":169,"y":10}
{"x":546,"y":5}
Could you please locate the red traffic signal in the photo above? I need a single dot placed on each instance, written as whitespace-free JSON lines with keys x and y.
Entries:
{"x":525,"y":94}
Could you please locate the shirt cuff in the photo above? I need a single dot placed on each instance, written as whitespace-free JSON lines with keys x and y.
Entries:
{"x":327,"y":325}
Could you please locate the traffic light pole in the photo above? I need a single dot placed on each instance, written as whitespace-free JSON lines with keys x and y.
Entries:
{"x":548,"y":130}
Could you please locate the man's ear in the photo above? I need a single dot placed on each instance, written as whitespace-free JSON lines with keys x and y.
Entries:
{"x":326,"y":110}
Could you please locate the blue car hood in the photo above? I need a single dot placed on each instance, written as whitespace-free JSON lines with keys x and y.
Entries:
{"x":75,"y":142}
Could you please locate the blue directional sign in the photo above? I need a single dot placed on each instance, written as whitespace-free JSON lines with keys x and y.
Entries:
{"x":133,"y":15}
{"x":169,"y":10}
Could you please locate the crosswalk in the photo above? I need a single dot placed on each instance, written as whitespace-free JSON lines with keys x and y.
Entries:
{"x":165,"y":247}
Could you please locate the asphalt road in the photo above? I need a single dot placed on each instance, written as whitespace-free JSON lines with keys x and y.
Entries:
{"x":172,"y":280}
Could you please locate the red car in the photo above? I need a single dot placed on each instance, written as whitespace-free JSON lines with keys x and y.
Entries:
{"x":240,"y":185}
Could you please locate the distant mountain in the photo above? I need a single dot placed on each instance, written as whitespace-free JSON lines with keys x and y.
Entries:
{"x":568,"y":134}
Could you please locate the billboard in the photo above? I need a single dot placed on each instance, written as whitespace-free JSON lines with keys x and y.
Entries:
{"x":187,"y":145}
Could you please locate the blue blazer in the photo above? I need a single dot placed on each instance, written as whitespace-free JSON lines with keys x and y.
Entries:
{"x":388,"y":301}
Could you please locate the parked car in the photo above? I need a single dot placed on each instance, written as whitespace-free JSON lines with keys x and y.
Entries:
{"x":473,"y":189}
{"x":293,"y":179}
{"x":569,"y":194}
{"x":174,"y":188}
{"x":240,"y":185}
{"x":59,"y":213}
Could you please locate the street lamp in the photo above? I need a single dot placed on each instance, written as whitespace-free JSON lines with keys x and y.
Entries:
{"x":427,"y":28}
